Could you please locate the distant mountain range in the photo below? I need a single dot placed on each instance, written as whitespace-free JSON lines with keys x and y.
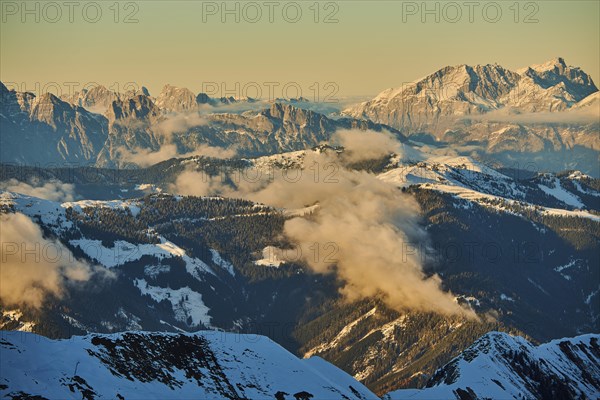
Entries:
{"x":68,"y":132}
{"x":465,"y":90}
{"x":547,"y":113}
{"x":459,"y":94}
{"x":548,"y":109}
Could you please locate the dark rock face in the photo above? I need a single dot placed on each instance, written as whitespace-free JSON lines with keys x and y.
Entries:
{"x":150,"y":358}
{"x":59,"y":131}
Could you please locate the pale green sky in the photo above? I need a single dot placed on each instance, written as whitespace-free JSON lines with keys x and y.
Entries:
{"x":371,"y":48}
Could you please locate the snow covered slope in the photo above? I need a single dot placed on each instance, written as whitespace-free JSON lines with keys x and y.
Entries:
{"x":175,"y":284}
{"x":500,"y":366}
{"x":143,"y":365}
{"x":566,"y":194}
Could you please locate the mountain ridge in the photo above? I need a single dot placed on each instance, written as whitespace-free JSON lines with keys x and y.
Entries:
{"x":502,"y":366}
{"x":463,"y":202}
{"x":502,"y":111}
{"x":205,"y":364}
{"x":135,"y":123}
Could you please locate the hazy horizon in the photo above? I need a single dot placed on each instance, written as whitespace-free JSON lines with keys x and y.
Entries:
{"x":188,"y":45}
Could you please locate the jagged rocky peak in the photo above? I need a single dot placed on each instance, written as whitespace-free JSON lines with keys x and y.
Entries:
{"x":235,"y":99}
{"x":137,"y":91}
{"x":493,"y":80}
{"x":15,"y":102}
{"x":176,"y":99}
{"x":485,"y":80}
{"x":50,"y":109}
{"x":202,"y":98}
{"x":453,"y":82}
{"x":96,"y":99}
{"x":557,"y":72}
{"x":291,"y":100}
{"x":137,"y":107}
{"x":99,"y":93}
{"x":440,"y":101}
{"x":556,"y":64}
{"x":48,"y":98}
{"x":288,"y":112}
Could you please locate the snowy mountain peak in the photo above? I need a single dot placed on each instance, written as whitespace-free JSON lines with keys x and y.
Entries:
{"x":48,"y":98}
{"x":502,"y":366}
{"x":175,"y":99}
{"x":201,"y":365}
{"x":96,"y":99}
{"x":460,"y":99}
{"x":137,"y":107}
{"x":51,"y":110}
{"x":556,"y":73}
{"x":591,"y":100}
{"x":557,"y":62}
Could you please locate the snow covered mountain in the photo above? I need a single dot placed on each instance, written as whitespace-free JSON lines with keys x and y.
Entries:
{"x":567,"y":193}
{"x":96,"y":99}
{"x":464,"y":90}
{"x":169,"y":286}
{"x":176,"y":99}
{"x":147,"y":365}
{"x":500,"y":366}
{"x":186,"y":263}
{"x":537,"y":112}
{"x":590,"y":101}
{"x":544,"y":112}
{"x":467,"y":203}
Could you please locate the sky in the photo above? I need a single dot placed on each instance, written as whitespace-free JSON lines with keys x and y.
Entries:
{"x":324,"y":51}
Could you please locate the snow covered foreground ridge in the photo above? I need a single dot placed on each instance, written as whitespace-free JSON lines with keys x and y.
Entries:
{"x":142,"y":365}
{"x":500,"y":366}
{"x":218,"y":365}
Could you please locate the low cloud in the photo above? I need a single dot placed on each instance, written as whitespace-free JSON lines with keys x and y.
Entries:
{"x":34,"y":267}
{"x":365,"y":231}
{"x":146,"y":157}
{"x":172,"y":125}
{"x":584,"y":116}
{"x":366,"y":145}
{"x":178,"y":123}
{"x":54,"y":190}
